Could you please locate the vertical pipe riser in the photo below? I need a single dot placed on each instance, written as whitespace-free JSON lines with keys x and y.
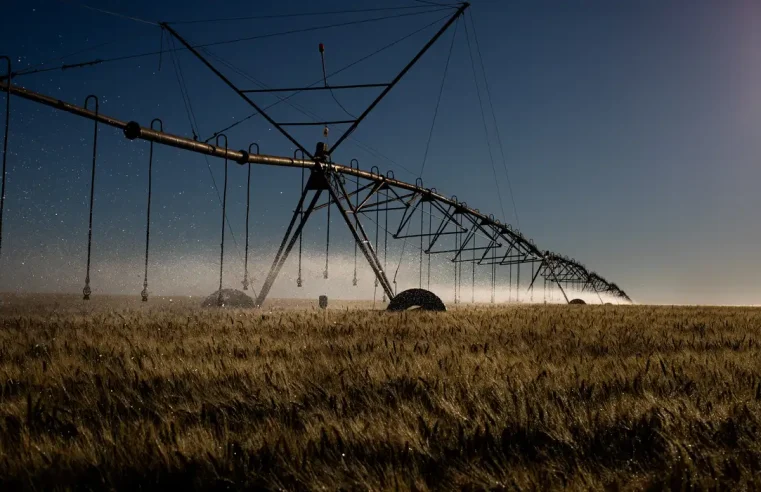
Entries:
{"x":248,"y":209}
{"x":5,"y":144}
{"x":87,"y":290}
{"x":144,"y":292}
{"x":220,"y":301}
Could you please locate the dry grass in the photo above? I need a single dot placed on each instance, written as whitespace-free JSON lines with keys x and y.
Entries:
{"x":524,"y":397}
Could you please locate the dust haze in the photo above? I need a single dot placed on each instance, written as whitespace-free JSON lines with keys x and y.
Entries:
{"x":198,"y":276}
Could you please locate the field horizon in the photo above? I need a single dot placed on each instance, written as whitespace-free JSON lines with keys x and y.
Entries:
{"x":305,"y":302}
{"x":121,"y":301}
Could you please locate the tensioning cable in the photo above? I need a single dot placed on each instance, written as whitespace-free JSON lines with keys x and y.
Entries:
{"x":438,"y":100}
{"x":99,"y":61}
{"x":483,"y":119}
{"x":494,"y":117}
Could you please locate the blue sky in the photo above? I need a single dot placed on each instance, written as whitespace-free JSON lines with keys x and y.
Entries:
{"x":630,"y":130}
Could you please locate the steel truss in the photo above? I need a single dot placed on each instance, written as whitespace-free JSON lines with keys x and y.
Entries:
{"x":455,"y":230}
{"x":280,"y":126}
{"x":488,"y":241}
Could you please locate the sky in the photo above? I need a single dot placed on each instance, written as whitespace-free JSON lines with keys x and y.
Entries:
{"x":631,"y":132}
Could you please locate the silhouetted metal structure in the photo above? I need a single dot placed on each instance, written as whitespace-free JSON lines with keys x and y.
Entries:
{"x":478,"y":238}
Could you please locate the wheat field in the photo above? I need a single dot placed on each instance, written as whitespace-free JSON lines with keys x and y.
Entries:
{"x":113,"y":394}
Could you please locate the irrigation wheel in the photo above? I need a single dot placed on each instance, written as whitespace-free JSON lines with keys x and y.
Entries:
{"x":416,"y":299}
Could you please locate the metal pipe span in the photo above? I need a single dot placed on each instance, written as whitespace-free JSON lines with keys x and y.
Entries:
{"x":134,"y":130}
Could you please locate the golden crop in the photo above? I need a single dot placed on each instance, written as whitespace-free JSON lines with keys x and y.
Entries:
{"x":122,"y":395}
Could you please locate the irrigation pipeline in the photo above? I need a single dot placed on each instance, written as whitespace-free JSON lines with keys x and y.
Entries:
{"x":132,"y":130}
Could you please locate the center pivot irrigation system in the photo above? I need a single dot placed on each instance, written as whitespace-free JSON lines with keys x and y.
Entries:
{"x":442,"y":225}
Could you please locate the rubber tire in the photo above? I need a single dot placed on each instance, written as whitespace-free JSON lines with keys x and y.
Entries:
{"x":576,"y":301}
{"x":416,"y":298}
{"x":232,"y":298}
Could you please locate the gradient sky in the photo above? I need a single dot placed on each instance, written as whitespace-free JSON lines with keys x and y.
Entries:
{"x":631,"y":131}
